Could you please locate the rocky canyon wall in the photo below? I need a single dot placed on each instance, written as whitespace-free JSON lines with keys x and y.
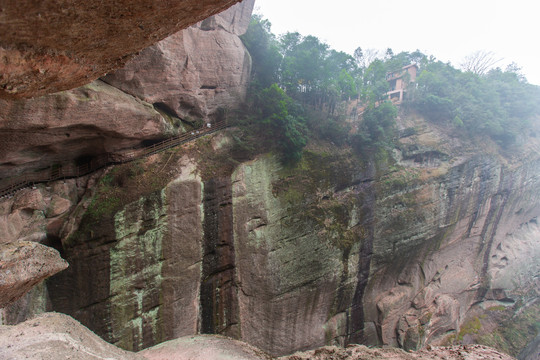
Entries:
{"x":398,"y":247}
{"x":339,"y":249}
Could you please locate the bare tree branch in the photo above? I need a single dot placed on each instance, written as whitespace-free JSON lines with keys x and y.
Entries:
{"x":479,"y":62}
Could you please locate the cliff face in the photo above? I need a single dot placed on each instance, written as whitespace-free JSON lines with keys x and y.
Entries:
{"x":400,"y":247}
{"x":383,"y":250}
{"x":50,"y":46}
{"x":393,"y":256}
{"x":184,"y":79}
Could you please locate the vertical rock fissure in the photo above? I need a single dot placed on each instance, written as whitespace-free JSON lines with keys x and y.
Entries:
{"x":83,"y":289}
{"x":355,"y":320}
{"x":488,"y":235}
{"x":218,"y":291}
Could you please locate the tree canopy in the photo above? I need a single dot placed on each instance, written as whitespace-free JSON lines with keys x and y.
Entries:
{"x":500,"y":103}
{"x":294,"y":75}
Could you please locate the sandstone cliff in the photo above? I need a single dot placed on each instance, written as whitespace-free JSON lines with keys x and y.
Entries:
{"x":408,"y":247}
{"x":50,"y":46}
{"x":189,"y":78}
{"x":340,"y":249}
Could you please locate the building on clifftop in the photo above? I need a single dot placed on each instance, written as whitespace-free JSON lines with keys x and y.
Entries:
{"x":399,"y":80}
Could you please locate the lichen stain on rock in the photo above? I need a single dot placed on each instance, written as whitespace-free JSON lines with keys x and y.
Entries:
{"x":219,"y":291}
{"x":308,"y":244}
{"x":136,"y":267}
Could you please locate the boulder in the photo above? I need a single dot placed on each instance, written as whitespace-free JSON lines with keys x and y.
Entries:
{"x":23,"y":265}
{"x":54,"y":336}
{"x":204,"y":347}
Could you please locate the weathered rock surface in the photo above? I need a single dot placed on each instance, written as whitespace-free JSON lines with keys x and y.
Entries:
{"x":471,"y":352}
{"x":76,"y":124}
{"x":24,"y":264}
{"x":160,"y":236}
{"x":532,"y":351}
{"x":193,"y":73}
{"x":53,"y":336}
{"x":58,"y":336}
{"x":48,"y":46}
{"x":204,"y":347}
{"x":338,"y":250}
{"x":393,"y":249}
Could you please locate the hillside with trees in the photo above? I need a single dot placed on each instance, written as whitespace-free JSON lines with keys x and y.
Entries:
{"x":300,"y":85}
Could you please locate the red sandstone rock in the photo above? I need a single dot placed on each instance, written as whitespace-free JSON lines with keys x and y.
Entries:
{"x":23,"y":265}
{"x":204,"y":347}
{"x":53,"y":336}
{"x":48,"y":46}
{"x":360,"y":352}
{"x":196,"y":71}
{"x":87,"y":121}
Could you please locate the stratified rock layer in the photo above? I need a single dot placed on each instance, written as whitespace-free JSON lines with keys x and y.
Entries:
{"x":81,"y":123}
{"x":52,"y":46}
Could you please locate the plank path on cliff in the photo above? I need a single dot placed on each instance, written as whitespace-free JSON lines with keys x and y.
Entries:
{"x":8,"y":186}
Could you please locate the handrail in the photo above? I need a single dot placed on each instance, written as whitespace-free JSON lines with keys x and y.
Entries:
{"x":9,"y":186}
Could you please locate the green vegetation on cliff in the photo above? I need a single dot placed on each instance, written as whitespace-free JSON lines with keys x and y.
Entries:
{"x":500,"y":104}
{"x":303,"y":73}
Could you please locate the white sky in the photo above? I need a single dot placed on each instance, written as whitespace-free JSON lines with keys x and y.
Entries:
{"x":449,"y":30}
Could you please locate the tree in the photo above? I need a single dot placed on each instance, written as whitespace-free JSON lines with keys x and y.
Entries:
{"x":367,"y":57}
{"x":282,"y":120}
{"x":358,"y":55}
{"x":479,"y":62}
{"x":374,"y":85}
{"x":500,"y":104}
{"x":378,"y":127}
{"x":263,"y":48}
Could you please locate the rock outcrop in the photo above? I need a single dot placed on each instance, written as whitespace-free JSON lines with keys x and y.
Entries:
{"x":74,"y":125}
{"x":53,"y":336}
{"x":471,"y":352}
{"x":49,"y":46}
{"x":57,"y":336}
{"x":204,"y":347}
{"x":337,"y":250}
{"x":23,"y":265}
{"x":195,"y":72}
{"x":193,"y":75}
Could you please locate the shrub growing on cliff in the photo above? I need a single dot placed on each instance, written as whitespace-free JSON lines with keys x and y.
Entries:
{"x":378,"y":127}
{"x":281,"y":118}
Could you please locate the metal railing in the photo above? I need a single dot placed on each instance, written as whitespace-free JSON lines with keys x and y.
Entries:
{"x":9,"y":186}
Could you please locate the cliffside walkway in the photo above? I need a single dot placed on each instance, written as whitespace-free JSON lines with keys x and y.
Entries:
{"x":67,"y":170}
